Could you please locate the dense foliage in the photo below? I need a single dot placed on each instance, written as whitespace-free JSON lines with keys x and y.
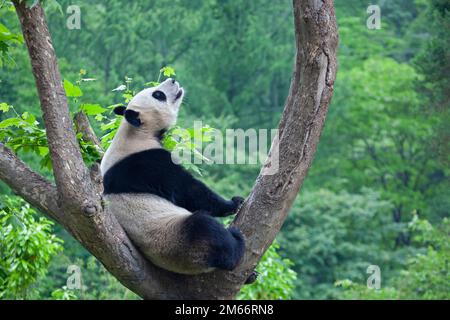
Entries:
{"x":427,"y":274}
{"x":26,"y":247}
{"x":378,"y":192}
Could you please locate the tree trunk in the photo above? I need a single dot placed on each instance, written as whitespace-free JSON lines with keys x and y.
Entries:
{"x":75,"y":202}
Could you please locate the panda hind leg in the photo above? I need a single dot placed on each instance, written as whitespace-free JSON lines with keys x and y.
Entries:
{"x":227,"y":254}
{"x":225,"y":246}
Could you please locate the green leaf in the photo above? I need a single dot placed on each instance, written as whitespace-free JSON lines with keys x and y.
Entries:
{"x":9,"y":123}
{"x":152,"y":84}
{"x":4,"y":107}
{"x":43,"y":151}
{"x":72,"y":90}
{"x":92,"y":109}
{"x":29,"y":118}
{"x":99,"y":117}
{"x":127,"y":97}
{"x":54,"y":5}
{"x":168,"y":71}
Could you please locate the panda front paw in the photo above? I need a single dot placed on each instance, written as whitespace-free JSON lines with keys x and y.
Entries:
{"x":229,"y":207}
{"x":238,"y":202}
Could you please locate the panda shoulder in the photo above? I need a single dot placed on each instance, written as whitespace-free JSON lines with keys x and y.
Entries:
{"x":140,"y":162}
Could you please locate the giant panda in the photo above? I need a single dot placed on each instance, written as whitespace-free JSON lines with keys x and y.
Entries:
{"x":166,"y":212}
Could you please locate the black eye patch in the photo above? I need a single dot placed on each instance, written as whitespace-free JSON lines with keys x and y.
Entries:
{"x":159,"y":95}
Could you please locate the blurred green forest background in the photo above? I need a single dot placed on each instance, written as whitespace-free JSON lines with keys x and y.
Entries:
{"x":377,"y":192}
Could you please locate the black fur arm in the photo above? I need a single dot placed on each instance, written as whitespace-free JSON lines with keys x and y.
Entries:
{"x":152,"y":171}
{"x":197,"y":196}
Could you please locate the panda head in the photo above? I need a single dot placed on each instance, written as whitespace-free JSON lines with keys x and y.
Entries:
{"x":154,"y":109}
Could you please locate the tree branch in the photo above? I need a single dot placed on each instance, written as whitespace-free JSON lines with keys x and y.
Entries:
{"x":84,"y":127}
{"x":72,"y":177}
{"x":31,"y":186}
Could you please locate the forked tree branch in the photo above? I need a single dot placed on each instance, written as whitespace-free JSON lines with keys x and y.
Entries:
{"x":79,"y":208}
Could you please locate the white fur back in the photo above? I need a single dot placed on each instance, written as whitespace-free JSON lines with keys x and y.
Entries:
{"x":128,"y":140}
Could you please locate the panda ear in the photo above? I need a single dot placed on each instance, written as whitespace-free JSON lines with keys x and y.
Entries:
{"x":132,"y":117}
{"x":120,"y":110}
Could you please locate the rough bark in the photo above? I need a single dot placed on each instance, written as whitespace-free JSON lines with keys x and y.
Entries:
{"x":76,"y":202}
{"x":83,"y":126}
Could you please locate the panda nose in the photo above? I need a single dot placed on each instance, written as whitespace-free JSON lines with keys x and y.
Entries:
{"x":173,"y":81}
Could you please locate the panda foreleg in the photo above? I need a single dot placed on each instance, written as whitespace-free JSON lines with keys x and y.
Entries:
{"x":199,"y":197}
